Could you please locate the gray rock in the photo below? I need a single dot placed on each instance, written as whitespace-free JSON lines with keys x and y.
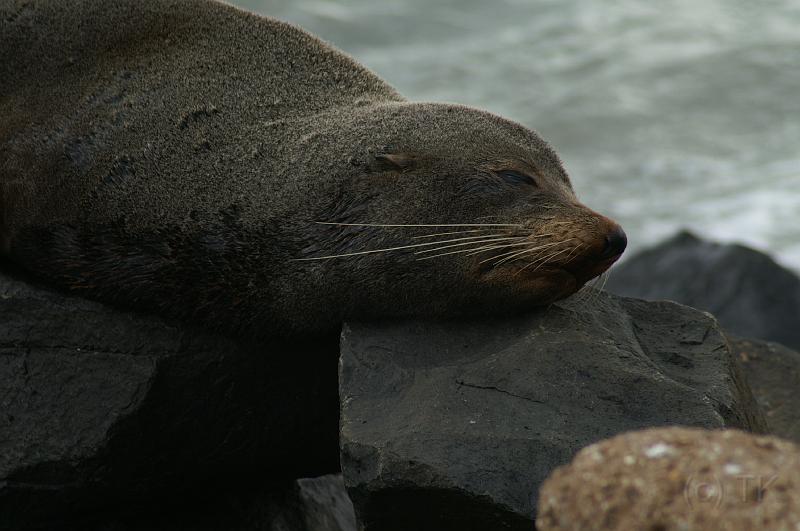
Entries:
{"x":101,"y":409}
{"x":773,"y":372}
{"x":326,"y":506}
{"x":750,"y":294}
{"x":309,"y":504}
{"x":455,"y":425}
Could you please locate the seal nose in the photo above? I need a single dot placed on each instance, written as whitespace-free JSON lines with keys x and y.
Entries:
{"x":616,"y":241}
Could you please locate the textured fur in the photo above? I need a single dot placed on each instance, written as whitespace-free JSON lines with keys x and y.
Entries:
{"x":173,"y":156}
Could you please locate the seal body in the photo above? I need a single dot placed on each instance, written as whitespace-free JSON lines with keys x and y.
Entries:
{"x":192,"y":159}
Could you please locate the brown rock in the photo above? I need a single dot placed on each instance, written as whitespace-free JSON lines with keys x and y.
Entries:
{"x":676,"y":478}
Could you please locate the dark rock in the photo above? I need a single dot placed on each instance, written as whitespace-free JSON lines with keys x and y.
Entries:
{"x":676,"y":479}
{"x":311,"y":504}
{"x":454,"y":426}
{"x":326,"y":505}
{"x":750,"y":294}
{"x":773,"y":372}
{"x":100,"y":408}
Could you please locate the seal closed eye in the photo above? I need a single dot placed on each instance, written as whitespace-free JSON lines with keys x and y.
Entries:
{"x":188,"y":158}
{"x":514,"y":177}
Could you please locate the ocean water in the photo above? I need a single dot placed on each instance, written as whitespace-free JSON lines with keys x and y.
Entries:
{"x":667,"y":115}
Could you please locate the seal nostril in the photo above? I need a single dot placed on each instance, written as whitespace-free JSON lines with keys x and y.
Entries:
{"x":616,"y":241}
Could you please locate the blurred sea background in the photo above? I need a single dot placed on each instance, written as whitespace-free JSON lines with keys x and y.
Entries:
{"x":667,"y":115}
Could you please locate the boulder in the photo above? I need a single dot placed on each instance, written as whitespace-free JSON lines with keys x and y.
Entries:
{"x":773,"y":372}
{"x":454,"y":425}
{"x":750,"y":294}
{"x":676,"y":479}
{"x":100,"y":407}
{"x":310,"y":504}
{"x":325,"y":504}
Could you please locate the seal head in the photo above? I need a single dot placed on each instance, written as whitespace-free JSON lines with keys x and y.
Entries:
{"x":453,"y":211}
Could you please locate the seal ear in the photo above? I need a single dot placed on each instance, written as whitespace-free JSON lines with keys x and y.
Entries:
{"x":393,"y":161}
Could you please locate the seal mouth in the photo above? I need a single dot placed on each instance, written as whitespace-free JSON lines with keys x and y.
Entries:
{"x":581,"y":268}
{"x":586,"y":270}
{"x":558,"y":279}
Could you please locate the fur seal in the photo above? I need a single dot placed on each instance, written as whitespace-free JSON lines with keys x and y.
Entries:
{"x":188,"y":158}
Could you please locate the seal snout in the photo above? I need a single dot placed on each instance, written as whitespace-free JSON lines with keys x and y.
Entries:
{"x":615,"y":242}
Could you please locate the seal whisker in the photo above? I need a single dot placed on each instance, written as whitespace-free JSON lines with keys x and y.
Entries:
{"x":516,"y":245}
{"x":574,"y":249}
{"x":509,"y":245}
{"x":580,"y":296}
{"x":510,"y":256}
{"x":538,"y":254}
{"x":468,"y":252}
{"x":466,"y":238}
{"x":605,"y":276}
{"x":502,"y":254}
{"x":543,"y":260}
{"x":541,"y":250}
{"x":468,"y":243}
{"x":448,"y":233}
{"x":598,"y":289}
{"x":515,"y":254}
{"x":425,"y":244}
{"x":493,"y":247}
{"x":537,"y":260}
{"x":419,"y":225}
{"x":590,"y":291}
{"x":329,"y":257}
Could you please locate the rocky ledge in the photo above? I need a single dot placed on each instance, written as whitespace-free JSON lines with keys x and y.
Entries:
{"x":755,"y":299}
{"x":108,"y":412}
{"x":455,"y":425}
{"x":747,"y":291}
